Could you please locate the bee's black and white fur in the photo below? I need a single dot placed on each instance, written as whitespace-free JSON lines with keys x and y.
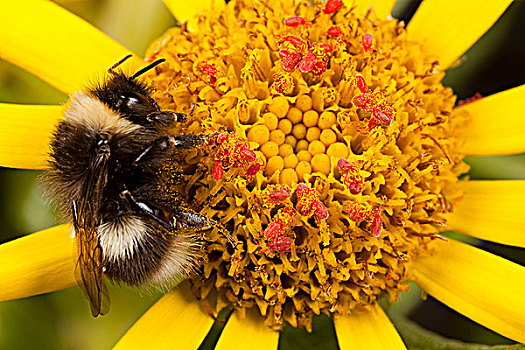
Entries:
{"x":110,"y":147}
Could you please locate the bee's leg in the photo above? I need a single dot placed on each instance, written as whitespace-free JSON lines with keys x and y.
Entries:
{"x":191,"y":140}
{"x":191,"y":219}
{"x":147,"y":210}
{"x":163,"y":146}
{"x":165,"y":118}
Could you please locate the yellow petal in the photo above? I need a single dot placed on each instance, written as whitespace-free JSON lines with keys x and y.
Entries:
{"x":57,"y":46}
{"x":248,"y":333}
{"x":367,"y":330}
{"x":497,"y":124}
{"x":484,"y":287}
{"x":175,"y":322}
{"x":186,"y":11}
{"x":491,"y":210}
{"x":38,"y":263}
{"x":24,"y":134}
{"x":448,"y":28}
{"x":382,"y":8}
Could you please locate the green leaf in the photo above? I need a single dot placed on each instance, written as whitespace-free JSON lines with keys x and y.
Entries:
{"x":418,"y":338}
{"x":322,"y":337}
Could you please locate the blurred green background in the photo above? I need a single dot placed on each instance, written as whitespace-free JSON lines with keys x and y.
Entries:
{"x":62,"y":320}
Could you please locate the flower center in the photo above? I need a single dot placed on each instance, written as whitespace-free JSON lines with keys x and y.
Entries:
{"x":335,"y":158}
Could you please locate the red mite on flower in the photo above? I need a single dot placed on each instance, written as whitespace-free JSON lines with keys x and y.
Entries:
{"x":279,"y":224}
{"x":376,"y":226}
{"x":292,"y":51}
{"x":207,"y":72}
{"x":360,"y":82}
{"x":275,"y":232}
{"x":350,"y":176}
{"x":332,"y":6}
{"x":294,"y":21}
{"x":334,"y":31}
{"x":374,"y":103}
{"x":308,"y":62}
{"x":274,"y":194}
{"x":254,"y":168}
{"x":279,"y":244}
{"x":232,"y":152}
{"x":308,"y":204}
{"x":367,"y":41}
{"x":359,"y":212}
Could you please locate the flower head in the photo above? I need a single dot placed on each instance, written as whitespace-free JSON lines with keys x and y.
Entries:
{"x":339,"y":206}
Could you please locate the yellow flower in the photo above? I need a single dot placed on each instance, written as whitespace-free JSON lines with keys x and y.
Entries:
{"x":300,"y":114}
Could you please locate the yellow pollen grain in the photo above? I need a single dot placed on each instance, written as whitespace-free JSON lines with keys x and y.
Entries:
{"x":299,"y":131}
{"x":273,"y":164}
{"x":285,"y":150}
{"x":301,"y":145}
{"x":302,"y":169}
{"x":304,"y":103}
{"x":328,"y":137}
{"x":313,"y":134}
{"x":277,"y":136}
{"x":291,"y":161}
{"x":285,"y":125}
{"x":316,"y":147}
{"x":338,"y":150}
{"x":288,"y":177}
{"x":326,"y":120}
{"x":270,"y":120}
{"x":304,"y":155}
{"x":270,"y":149}
{"x":294,"y":115}
{"x":290,"y":140}
{"x":321,"y":163}
{"x":310,"y":118}
{"x":259,"y":134}
{"x":279,"y":106}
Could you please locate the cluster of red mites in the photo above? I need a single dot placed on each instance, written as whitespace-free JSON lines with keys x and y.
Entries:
{"x":374,"y":103}
{"x":232,"y":152}
{"x":359,"y":212}
{"x":296,"y":53}
{"x":277,"y":230}
{"x":308,"y":204}
{"x":207,"y":72}
{"x":350,"y":176}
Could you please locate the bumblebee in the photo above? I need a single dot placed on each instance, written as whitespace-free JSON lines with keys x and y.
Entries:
{"x":105,"y":159}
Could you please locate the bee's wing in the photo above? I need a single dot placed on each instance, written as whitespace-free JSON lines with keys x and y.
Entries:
{"x":89,"y":268}
{"x":89,"y":272}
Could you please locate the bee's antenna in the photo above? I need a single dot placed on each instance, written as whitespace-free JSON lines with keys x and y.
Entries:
{"x":147,"y":68}
{"x":111,"y":69}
